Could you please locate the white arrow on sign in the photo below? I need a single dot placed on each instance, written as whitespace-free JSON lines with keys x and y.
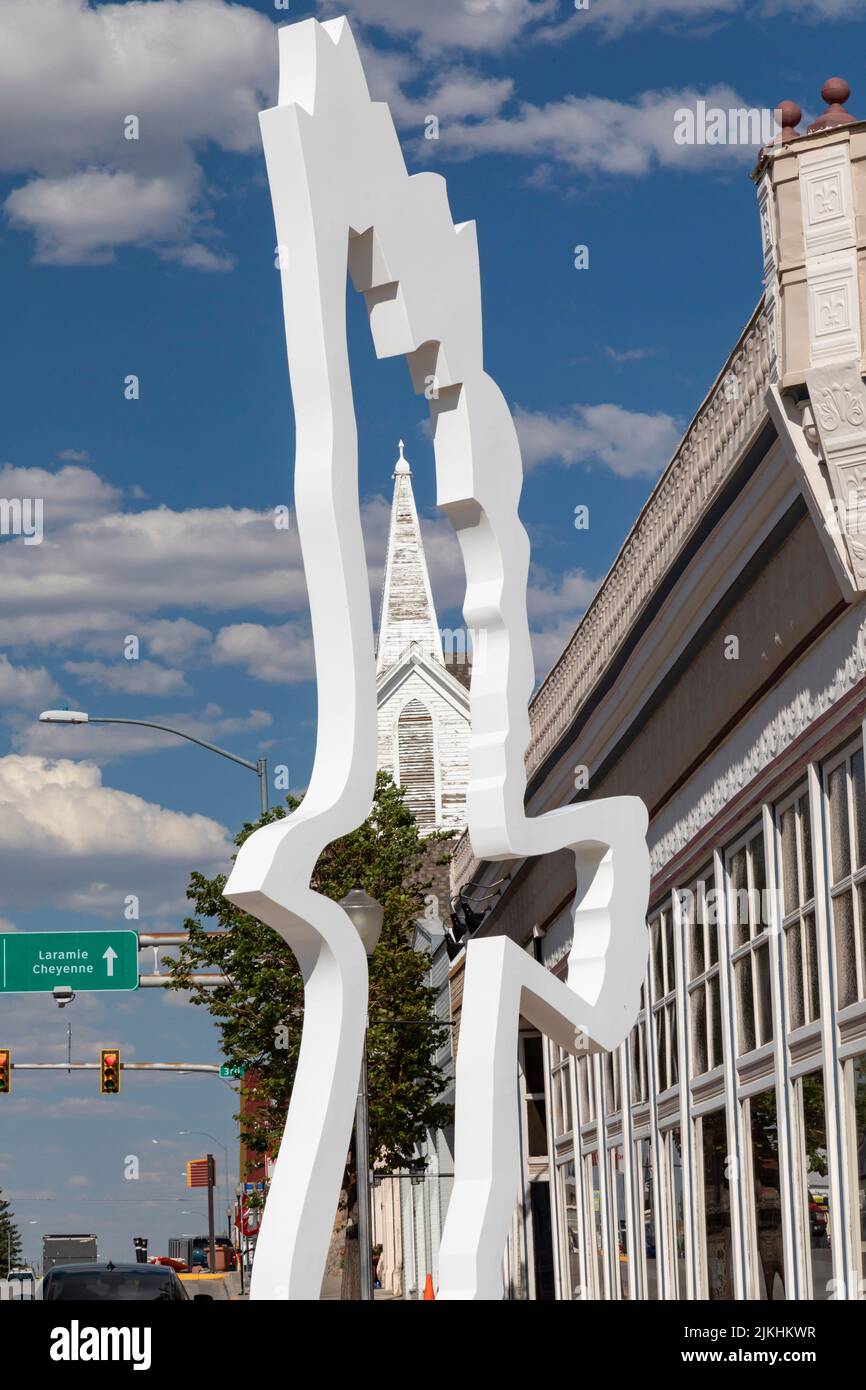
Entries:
{"x":110,"y":956}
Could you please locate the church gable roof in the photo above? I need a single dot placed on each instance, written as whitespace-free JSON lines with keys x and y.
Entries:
{"x":413,"y":659}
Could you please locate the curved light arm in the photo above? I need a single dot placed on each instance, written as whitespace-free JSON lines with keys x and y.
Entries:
{"x":260,"y":768}
{"x":191,"y":738}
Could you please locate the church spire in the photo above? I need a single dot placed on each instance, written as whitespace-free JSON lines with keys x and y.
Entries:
{"x":407,"y":614}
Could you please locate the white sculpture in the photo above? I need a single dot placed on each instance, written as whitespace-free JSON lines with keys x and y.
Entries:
{"x":342,"y":196}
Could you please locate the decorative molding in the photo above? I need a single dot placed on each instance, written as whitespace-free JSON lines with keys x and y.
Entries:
{"x":838,"y":399}
{"x":798,"y":436}
{"x":722,"y":431}
{"x":827,"y":200}
{"x":720,"y":434}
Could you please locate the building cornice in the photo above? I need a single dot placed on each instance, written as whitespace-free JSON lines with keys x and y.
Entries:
{"x":723,"y":430}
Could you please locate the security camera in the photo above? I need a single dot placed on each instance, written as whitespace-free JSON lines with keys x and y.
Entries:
{"x":63,"y":995}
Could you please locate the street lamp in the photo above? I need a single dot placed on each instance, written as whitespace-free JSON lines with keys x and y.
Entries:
{"x":78,"y":716}
{"x":366,"y":916}
{"x":225,"y":1181}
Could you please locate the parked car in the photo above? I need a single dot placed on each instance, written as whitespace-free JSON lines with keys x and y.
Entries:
{"x":95,"y":1283}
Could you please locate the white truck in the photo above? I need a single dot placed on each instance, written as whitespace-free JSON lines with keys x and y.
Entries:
{"x":68,"y":1250}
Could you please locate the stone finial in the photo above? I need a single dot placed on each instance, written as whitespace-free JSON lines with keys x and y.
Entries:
{"x":835,"y":92}
{"x":789,"y":116}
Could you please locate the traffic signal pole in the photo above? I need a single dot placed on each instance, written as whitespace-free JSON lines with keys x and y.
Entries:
{"x":210,"y":1228}
{"x":205,"y":1068}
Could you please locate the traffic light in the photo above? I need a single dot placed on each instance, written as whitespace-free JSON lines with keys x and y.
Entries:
{"x":109,"y":1071}
{"x":5,"y":1071}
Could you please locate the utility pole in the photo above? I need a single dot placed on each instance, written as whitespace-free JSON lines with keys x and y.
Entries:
{"x":210,"y":1234}
{"x":362,"y":1168}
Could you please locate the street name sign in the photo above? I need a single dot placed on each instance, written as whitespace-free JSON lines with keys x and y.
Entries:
{"x":228,"y":1069}
{"x":37,"y":962}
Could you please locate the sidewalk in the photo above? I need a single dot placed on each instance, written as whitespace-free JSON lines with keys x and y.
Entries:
{"x":333,"y":1283}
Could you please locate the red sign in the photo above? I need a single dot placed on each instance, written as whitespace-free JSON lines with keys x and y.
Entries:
{"x":251,"y":1221}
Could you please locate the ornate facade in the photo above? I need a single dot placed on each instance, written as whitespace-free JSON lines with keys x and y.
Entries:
{"x":720,"y":673}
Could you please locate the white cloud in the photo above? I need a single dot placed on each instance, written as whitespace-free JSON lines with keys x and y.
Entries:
{"x":82,"y":218}
{"x":281,"y":654}
{"x":627,"y":442}
{"x":615,"y":16}
{"x":494,"y":25}
{"x":555,"y":604}
{"x":623,"y":355}
{"x":600,"y":135}
{"x":99,"y":575}
{"x":129,"y":677}
{"x":25,"y":685}
{"x":567,"y":593}
{"x":69,"y":494}
{"x":74,"y":456}
{"x":68,"y":841}
{"x":195,"y":256}
{"x":175,"y":638}
{"x":473,"y":25}
{"x":194,"y":73}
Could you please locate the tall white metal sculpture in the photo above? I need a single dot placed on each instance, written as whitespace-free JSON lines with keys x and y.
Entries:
{"x":343,"y":198}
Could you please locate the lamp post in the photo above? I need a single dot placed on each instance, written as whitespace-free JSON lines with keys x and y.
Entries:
{"x":78,"y":716}
{"x":225,"y":1182}
{"x":366,"y":916}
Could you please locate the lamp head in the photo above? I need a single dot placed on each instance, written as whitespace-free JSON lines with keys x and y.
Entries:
{"x":366,"y":915}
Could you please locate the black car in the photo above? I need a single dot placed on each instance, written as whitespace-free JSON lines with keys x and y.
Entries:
{"x":93,"y":1283}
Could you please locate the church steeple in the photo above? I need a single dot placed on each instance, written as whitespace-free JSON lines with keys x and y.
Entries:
{"x":407,"y":615}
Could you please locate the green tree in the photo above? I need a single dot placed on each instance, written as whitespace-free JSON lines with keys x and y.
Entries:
{"x":10,"y":1240}
{"x":260,"y":1012}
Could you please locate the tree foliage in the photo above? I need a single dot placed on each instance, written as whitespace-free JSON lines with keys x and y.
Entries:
{"x":10,"y":1239}
{"x":260,"y":1013}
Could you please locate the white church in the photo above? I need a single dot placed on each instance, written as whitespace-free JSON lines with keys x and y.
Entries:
{"x":423,"y":708}
{"x":423,"y":719}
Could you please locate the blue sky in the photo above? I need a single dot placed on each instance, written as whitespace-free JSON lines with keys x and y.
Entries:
{"x":156,"y":257}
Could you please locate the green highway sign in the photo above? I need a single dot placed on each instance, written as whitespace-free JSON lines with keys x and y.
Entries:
{"x":227,"y":1070}
{"x":37,"y":962}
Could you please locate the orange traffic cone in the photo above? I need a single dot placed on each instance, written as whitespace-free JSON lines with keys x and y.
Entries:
{"x":428,"y":1290}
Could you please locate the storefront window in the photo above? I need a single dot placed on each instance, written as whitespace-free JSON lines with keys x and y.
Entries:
{"x":798,"y":908}
{"x":749,"y":918}
{"x":536,"y":1108}
{"x":809,"y":1092}
{"x":560,"y":1087}
{"x":595,"y":1217}
{"x":570,"y":1231}
{"x":767,"y":1195}
{"x":647,"y":1231}
{"x":700,"y":924}
{"x":675,"y":1211}
{"x":846,"y":818}
{"x":859,"y":1106}
{"x":718,"y":1252}
{"x":664,"y":1000}
{"x":619,"y":1240}
{"x":637,"y":1046}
